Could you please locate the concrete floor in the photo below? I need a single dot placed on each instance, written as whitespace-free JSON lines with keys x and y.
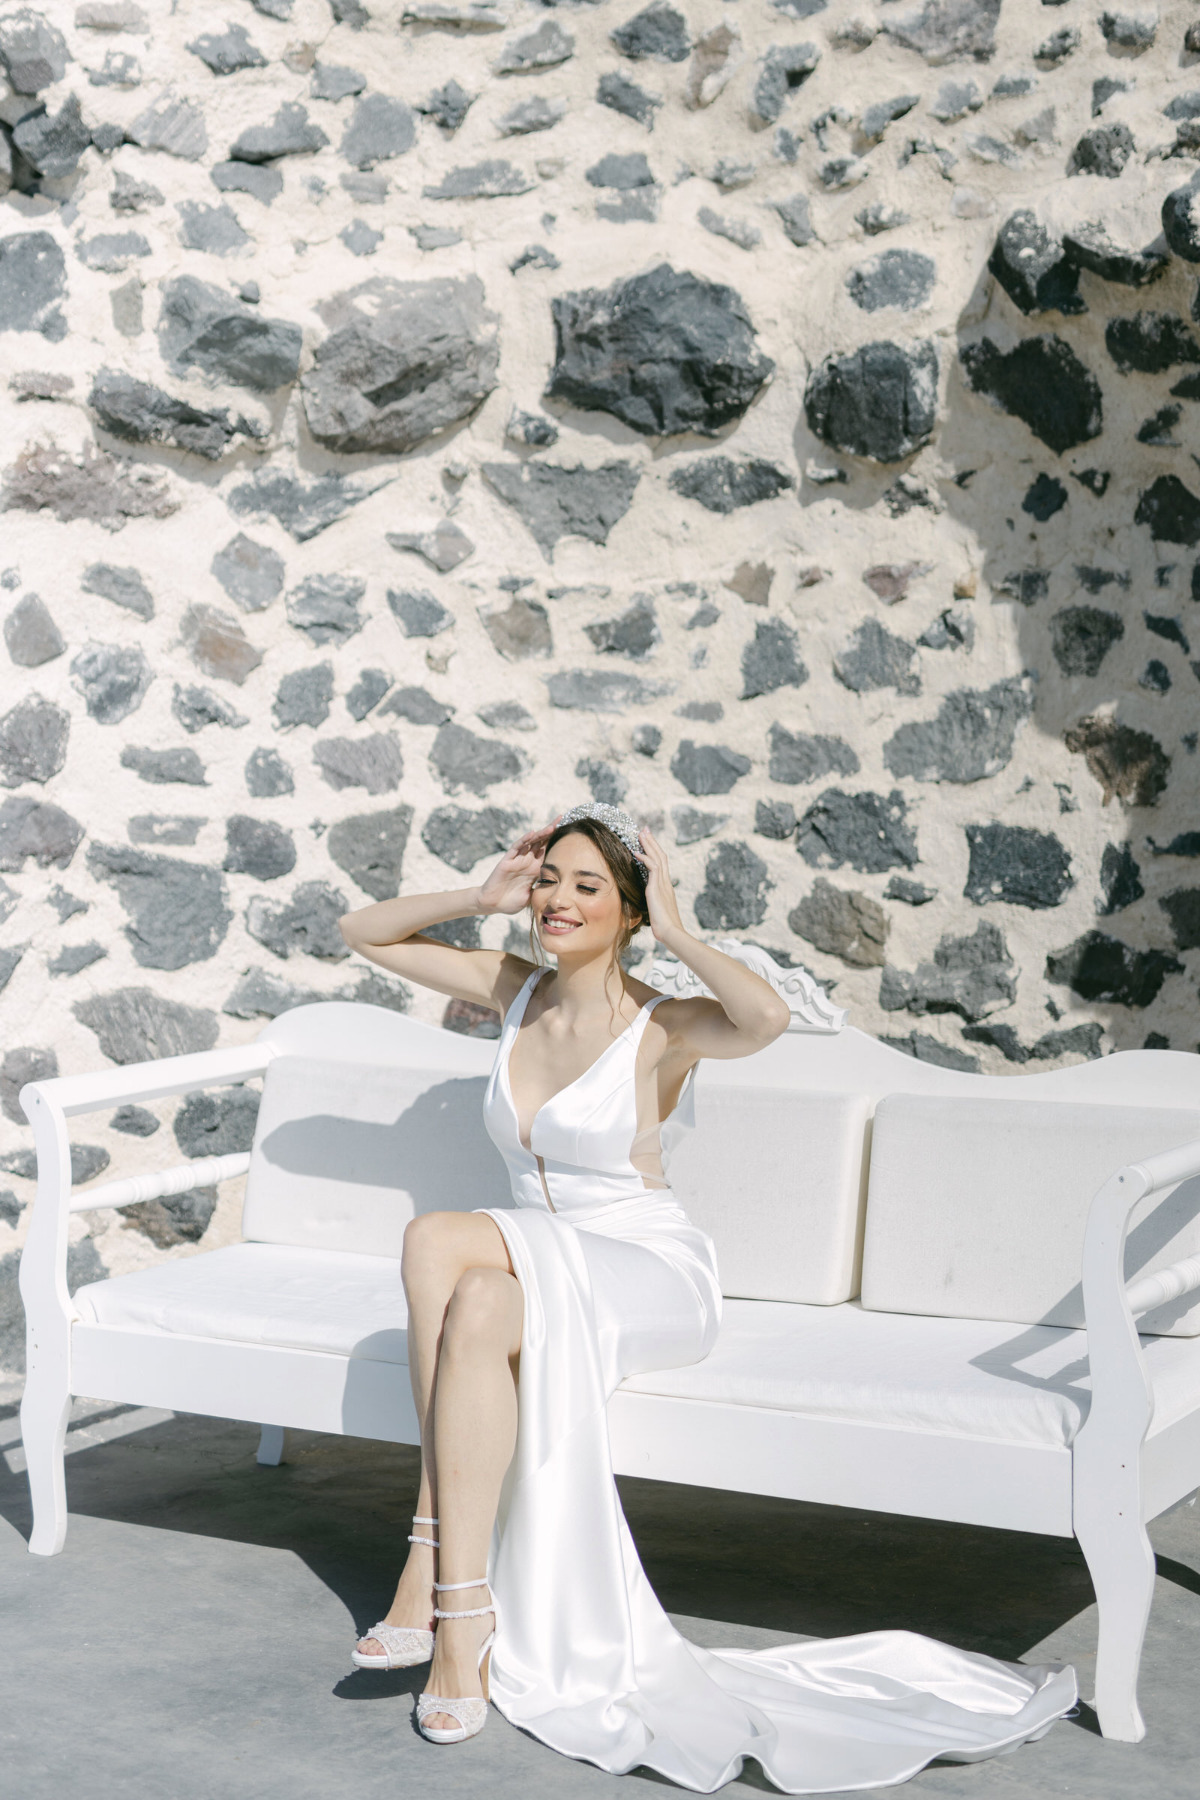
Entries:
{"x":191,"y":1643}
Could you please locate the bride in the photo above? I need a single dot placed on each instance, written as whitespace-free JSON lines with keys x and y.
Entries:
{"x":522,"y":1322}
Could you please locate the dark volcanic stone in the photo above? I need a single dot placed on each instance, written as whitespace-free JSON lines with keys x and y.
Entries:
{"x":415,"y":704}
{"x":374,"y":762}
{"x":876,"y":118}
{"x":879,"y":401}
{"x":250,"y":573}
{"x":970,"y":738}
{"x":1181,"y":221}
{"x":175,"y":1219}
{"x":33,"y":741}
{"x":691,"y":825}
{"x":1171,"y":511}
{"x":217,"y":1124}
{"x":226,"y":52}
{"x":519,"y":630}
{"x":33,"y":280}
{"x":196,"y":707}
{"x":1129,"y":31}
{"x":1013,"y":863}
{"x":1042,"y":382}
{"x":134,"y":1121}
{"x":971,"y":976}
{"x":771,"y":660}
{"x":602,"y":690}
{"x":796,"y":219}
{"x":289,"y":133}
{"x":447,"y":105}
{"x":923,"y":1048}
{"x":1099,"y":967}
{"x":325,"y":607}
{"x":403,"y":361}
{"x":461,"y":759}
{"x":1102,"y":151}
{"x":173,"y":125}
{"x":30,"y":634}
{"x":370,"y":848}
{"x":722,"y":484}
{"x":1082,"y":636}
{"x":633,"y":633}
{"x":544,"y":47}
{"x":603,"y":782}
{"x":851,"y":926}
{"x":1131,"y":764}
{"x":1044,"y":498}
{"x":140,"y":413}
{"x":112,"y":251}
{"x":303,"y":697}
{"x":137,"y":1025}
{"x":945,"y":31}
{"x":334,"y":81}
{"x":124,"y":587}
{"x":367,"y":692}
{"x":21,"y":1065}
{"x":178,"y":911}
{"x":663,"y":352}
{"x":73,"y":958}
{"x":52,"y":143}
{"x":262,"y":180}
{"x":206,"y":328}
{"x":911,"y":893}
{"x":797,"y":757}
{"x":463,"y":838}
{"x":621,"y":172}
{"x":1149,"y":342}
{"x":708,"y":768}
{"x":307,"y":923}
{"x":1091,"y":248}
{"x":735,"y":889}
{"x":1120,"y":880}
{"x":784,"y":69}
{"x":417,"y":613}
{"x":31,"y":828}
{"x":33,"y":53}
{"x":1183,"y":910}
{"x":1033,"y":268}
{"x":875,"y":659}
{"x":775,"y":819}
{"x":658,"y":31}
{"x":625,"y":96}
{"x":492,"y":179}
{"x":215,"y":229}
{"x":901,"y":278}
{"x":112,"y":680}
{"x":258,"y":847}
{"x":868,"y":831}
{"x":267,"y":775}
{"x":557,"y":502}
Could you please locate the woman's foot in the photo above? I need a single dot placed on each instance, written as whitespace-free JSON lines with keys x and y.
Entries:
{"x":455,"y":1670}
{"x":414,"y":1603}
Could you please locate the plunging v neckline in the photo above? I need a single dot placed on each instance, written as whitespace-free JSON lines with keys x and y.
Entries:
{"x":512,"y":1099}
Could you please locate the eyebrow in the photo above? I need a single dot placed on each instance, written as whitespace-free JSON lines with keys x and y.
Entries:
{"x":591,"y":873}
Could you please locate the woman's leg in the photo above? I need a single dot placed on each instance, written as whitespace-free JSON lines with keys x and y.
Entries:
{"x":438,"y":1250}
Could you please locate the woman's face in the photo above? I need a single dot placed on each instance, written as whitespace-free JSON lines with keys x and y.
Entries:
{"x":576,"y":903}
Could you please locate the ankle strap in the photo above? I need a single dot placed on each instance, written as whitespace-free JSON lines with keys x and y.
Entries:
{"x":418,"y":1520}
{"x":418,"y":1539}
{"x":452,"y":1587}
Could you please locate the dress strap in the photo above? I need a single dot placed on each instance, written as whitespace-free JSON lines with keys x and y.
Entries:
{"x":521,"y":997}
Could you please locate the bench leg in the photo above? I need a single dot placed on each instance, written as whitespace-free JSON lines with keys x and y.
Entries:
{"x":44,"y":1410}
{"x":270,"y":1446}
{"x":1121,"y":1564}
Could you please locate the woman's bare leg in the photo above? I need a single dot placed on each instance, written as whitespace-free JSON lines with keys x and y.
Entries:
{"x":438,"y":1250}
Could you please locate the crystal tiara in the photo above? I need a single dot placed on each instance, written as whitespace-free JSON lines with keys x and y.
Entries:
{"x":619,"y":822}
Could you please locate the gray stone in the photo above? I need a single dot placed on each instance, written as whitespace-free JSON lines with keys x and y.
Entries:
{"x":533,"y":429}
{"x":869,"y":831}
{"x":448,"y":106}
{"x":692,"y":825}
{"x":165,"y":767}
{"x":143,"y":414}
{"x":168,"y":828}
{"x":875,"y":659}
{"x":374,"y":762}
{"x":134,"y":1121}
{"x":196,"y":707}
{"x":123,"y":586}
{"x":1042,"y":382}
{"x":923,"y":1048}
{"x":33,"y":53}
{"x":1171,"y":511}
{"x":646,"y":740}
{"x":33,"y":282}
{"x":1129,"y":31}
{"x":113,"y":680}
{"x":174,"y":126}
{"x":1017,"y":865}
{"x":217,"y":1124}
{"x":519,"y":630}
{"x":258,"y":847}
{"x":325,"y":607}
{"x":463,"y":838}
{"x":664,"y":352}
{"x":289,"y":133}
{"x":1063,"y":43}
{"x":955,"y":99}
{"x":1120,"y":880}
{"x":177,"y":1219}
{"x":876,"y":118}
{"x":443,"y":548}
{"x":783,"y":70}
{"x":379,"y":129}
{"x":621,"y":172}
{"x":217,"y":644}
{"x":1044,"y":497}
{"x":1183,"y":911}
{"x":734,"y":895}
{"x":624,"y":96}
{"x":879,"y":217}
{"x":708,"y":768}
{"x":707,"y":710}
{"x":416,"y":705}
{"x":350,"y":12}
{"x":492,"y":179}
{"x":461,"y":759}
{"x":32,"y":828}
{"x":945,"y":31}
{"x":879,"y":401}
{"x":899,"y":278}
{"x":970,"y":738}
{"x":972,"y":976}
{"x":31,"y":635}
{"x":1181,"y":221}
{"x":334,"y":81}
{"x":1082,"y":636}
{"x":21,"y":1065}
{"x":771,"y":660}
{"x":262,"y":181}
{"x":1104,"y":150}
{"x":435,"y":237}
{"x":73,"y":958}
{"x":722,"y":485}
{"x":658,"y":32}
{"x":775,"y":819}
{"x":418,"y":613}
{"x":137,"y":1025}
{"x":1149,"y":342}
{"x":797,"y":757}
{"x":403,"y":361}
{"x":227,"y":51}
{"x":538,"y":114}
{"x":602,"y":690}
{"x":507,"y":715}
{"x":1130,"y":764}
{"x":912,"y":893}
{"x":1101,"y":968}
{"x":10,"y":1208}
{"x":634,"y":203}
{"x":93,"y":485}
{"x":633,"y":633}
{"x":848,"y":925}
{"x":534,"y":256}
{"x":9,"y":959}
{"x":602,"y":780}
{"x":33,"y":741}
{"x":1033,"y":268}
{"x":203,"y":327}
{"x":130,"y":195}
{"x":303,"y":508}
{"x":250,"y":573}
{"x":556,"y":502}
{"x":462,"y":932}
{"x":953,"y":629}
{"x":52,"y":143}
{"x":267,"y":775}
{"x":367,"y":692}
{"x":796,"y":219}
{"x":370,"y":848}
{"x":260,"y":993}
{"x":306,"y":924}
{"x":360,"y":239}
{"x":543,"y":48}
{"x":112,"y":251}
{"x":9,"y":902}
{"x":303,"y":697}
{"x":178,"y":911}
{"x":126,"y":302}
{"x":216,"y":229}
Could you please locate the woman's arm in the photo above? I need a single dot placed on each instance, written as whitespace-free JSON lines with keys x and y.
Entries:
{"x":746,"y":1014}
{"x":390,"y":932}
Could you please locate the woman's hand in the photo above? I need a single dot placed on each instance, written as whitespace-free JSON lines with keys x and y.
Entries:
{"x":660,"y":895}
{"x":510,"y":884}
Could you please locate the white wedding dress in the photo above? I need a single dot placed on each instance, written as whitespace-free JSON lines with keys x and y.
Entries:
{"x":617,"y":1281}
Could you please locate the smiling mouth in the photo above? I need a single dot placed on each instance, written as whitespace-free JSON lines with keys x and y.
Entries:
{"x":560,"y":926}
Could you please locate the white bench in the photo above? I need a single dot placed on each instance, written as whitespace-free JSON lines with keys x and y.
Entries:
{"x":917,"y":1287}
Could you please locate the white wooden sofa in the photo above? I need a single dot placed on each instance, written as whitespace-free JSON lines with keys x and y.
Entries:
{"x":929,"y":1312}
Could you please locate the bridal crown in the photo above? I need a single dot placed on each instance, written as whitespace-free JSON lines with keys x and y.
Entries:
{"x":619,"y":822}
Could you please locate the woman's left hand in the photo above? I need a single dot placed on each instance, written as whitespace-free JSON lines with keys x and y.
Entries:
{"x":660,"y":895}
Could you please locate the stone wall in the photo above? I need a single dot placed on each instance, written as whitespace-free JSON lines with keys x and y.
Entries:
{"x":776,"y":417}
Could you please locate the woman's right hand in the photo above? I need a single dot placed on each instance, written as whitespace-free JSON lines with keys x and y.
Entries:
{"x":510,"y":884}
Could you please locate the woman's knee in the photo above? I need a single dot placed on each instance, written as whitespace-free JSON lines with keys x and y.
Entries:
{"x":428,"y":1243}
{"x":485,"y":1307}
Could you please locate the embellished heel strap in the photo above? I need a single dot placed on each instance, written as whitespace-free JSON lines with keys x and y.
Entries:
{"x":452,"y":1587}
{"x":418,"y":1539}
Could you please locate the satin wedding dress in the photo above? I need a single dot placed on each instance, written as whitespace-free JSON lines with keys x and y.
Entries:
{"x":617,"y":1281}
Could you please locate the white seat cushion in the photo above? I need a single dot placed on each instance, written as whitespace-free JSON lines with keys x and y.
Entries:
{"x":298,"y":1299}
{"x":961,"y":1377}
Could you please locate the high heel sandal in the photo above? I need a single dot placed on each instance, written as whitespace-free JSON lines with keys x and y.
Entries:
{"x":404,"y":1646}
{"x":471,"y":1712}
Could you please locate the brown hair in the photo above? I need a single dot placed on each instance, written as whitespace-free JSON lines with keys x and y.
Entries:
{"x":626,"y":871}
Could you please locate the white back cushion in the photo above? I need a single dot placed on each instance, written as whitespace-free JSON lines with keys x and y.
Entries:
{"x":976,"y":1209}
{"x":345,"y":1154}
{"x":776,"y":1179}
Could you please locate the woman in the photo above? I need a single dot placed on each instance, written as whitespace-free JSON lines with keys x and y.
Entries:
{"x":523,"y":1322}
